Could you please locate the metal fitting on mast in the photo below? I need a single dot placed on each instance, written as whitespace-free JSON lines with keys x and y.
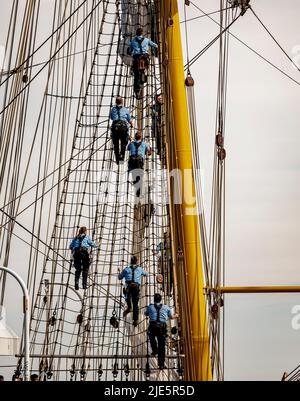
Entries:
{"x":242,"y":4}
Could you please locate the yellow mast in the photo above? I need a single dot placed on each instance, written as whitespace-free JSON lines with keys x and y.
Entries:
{"x":188,"y":222}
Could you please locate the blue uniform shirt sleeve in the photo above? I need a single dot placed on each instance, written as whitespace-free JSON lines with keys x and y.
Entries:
{"x":121,"y":275}
{"x":131,"y":45}
{"x":145,"y":274}
{"x":91,"y":243}
{"x":152,"y":44}
{"x":169,"y":312}
{"x":128,"y":116}
{"x":72,"y":244}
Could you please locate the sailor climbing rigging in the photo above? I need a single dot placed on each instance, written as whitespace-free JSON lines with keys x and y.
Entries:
{"x":133,"y":276}
{"x":157,"y":330}
{"x":156,"y":114}
{"x":120,"y":128}
{"x":80,"y":248}
{"x":138,"y":149}
{"x":139,"y":48}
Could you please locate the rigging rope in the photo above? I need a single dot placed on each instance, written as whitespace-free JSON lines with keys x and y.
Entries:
{"x":16,"y":69}
{"x":50,"y":59}
{"x":201,"y":52}
{"x":250,"y":48}
{"x":274,"y":39}
{"x":205,"y":15}
{"x":75,"y":173}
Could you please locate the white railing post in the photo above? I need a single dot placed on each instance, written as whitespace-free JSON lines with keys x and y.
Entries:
{"x":26,"y":319}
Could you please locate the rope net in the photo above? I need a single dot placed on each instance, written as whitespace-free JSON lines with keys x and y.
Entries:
{"x":76,"y":182}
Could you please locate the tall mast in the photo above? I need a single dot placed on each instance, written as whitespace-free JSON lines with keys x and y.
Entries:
{"x":198,"y":365}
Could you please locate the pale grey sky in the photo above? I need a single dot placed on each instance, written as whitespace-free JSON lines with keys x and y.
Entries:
{"x":262,"y":182}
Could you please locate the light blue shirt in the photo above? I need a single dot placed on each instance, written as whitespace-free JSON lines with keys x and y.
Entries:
{"x":135,"y":47}
{"x":124,"y":114}
{"x":164,"y":313}
{"x":140,"y":151}
{"x":86,"y":243}
{"x":138,"y":273}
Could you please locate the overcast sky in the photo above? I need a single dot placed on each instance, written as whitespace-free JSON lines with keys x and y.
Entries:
{"x":262,"y":181}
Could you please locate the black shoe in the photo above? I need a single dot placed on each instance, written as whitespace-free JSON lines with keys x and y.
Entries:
{"x":162,"y":367}
{"x":76,"y":286}
{"x":135,"y":323}
{"x":125,"y":313}
{"x":84,"y":286}
{"x":153,"y":353}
